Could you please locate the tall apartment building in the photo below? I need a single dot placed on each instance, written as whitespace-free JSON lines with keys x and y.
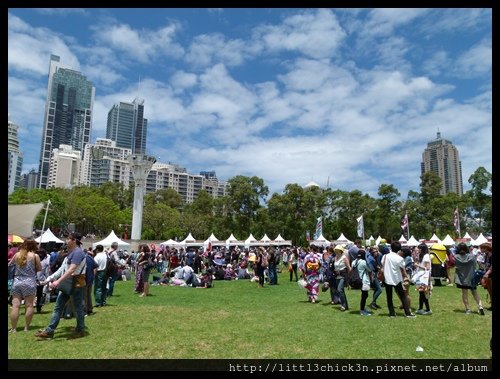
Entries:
{"x":167,"y":175}
{"x":29,"y":180}
{"x":68,"y":114}
{"x":105,"y":162}
{"x":15,"y":157}
{"x":127,"y":126}
{"x":441,"y":157}
{"x":64,"y":169}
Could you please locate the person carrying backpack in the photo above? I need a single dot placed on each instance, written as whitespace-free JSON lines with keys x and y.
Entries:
{"x":359,"y":265}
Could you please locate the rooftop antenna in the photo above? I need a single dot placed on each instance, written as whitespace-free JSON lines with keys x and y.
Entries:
{"x":438,"y":134}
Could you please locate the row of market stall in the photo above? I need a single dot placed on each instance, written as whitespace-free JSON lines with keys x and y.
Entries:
{"x":412,"y":241}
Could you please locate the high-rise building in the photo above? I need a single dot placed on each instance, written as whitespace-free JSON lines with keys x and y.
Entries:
{"x":441,"y":157}
{"x":15,"y":157}
{"x":29,"y":180}
{"x":64,"y":170}
{"x":68,"y":114}
{"x":104,"y":162}
{"x":127,"y":126}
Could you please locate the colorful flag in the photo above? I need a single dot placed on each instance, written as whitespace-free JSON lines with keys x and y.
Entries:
{"x":404,"y":222}
{"x":361,"y":227}
{"x":319,"y":228}
{"x":456,"y":221}
{"x":308,"y":236}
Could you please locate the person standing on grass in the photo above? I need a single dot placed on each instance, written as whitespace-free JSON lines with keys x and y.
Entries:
{"x":76,"y":263}
{"x":312,"y":264}
{"x":100,"y":278}
{"x":423,"y":264}
{"x":465,"y":267}
{"x":145,"y":257}
{"x":373,"y":262}
{"x":364,"y":273}
{"x":27,"y":264}
{"x":393,"y":266}
{"x":341,"y":267}
{"x":292,"y":261}
{"x":488,"y":266}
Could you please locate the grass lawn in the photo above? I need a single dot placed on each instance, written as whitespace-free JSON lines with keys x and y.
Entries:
{"x":239,"y":320}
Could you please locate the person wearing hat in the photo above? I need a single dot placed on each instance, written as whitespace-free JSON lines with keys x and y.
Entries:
{"x":312,"y":264}
{"x":340,"y":267}
{"x":75,"y":265}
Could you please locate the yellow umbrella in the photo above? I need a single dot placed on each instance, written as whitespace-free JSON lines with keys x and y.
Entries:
{"x":14,"y":238}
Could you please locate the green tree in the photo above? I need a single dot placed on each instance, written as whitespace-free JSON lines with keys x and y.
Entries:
{"x":245,"y":194}
{"x":480,"y":202}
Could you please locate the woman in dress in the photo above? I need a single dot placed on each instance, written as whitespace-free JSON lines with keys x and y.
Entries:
{"x":341,"y":268}
{"x":312,"y":264}
{"x":27,"y":264}
{"x":465,"y":267}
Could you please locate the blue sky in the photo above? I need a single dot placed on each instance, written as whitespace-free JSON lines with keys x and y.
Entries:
{"x":345,"y":96}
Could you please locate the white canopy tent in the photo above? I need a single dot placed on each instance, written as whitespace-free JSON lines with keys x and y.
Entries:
{"x":170,"y":243}
{"x":479,"y":240}
{"x":189,"y":241}
{"x":233,"y":241}
{"x":412,"y":242}
{"x":320,"y":241}
{"x":342,"y":239}
{"x":280,"y":241}
{"x":448,"y":241}
{"x":112,"y":237}
{"x":21,"y":217}
{"x":403,"y":240}
{"x":251,"y":241}
{"x":435,"y":238}
{"x":377,"y":241}
{"x":467,"y":236}
{"x":48,"y":236}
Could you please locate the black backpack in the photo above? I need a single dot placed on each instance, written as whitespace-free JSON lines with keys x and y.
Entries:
{"x":354,"y":281}
{"x":111,"y":268}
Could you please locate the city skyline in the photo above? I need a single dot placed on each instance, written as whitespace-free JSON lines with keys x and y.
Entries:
{"x":347,"y":97}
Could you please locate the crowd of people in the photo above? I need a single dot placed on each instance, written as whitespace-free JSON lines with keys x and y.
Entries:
{"x":93,"y":273}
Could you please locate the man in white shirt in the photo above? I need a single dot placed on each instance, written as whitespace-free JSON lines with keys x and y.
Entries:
{"x":394,"y":273}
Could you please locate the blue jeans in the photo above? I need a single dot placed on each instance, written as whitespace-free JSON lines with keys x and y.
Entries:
{"x":377,"y":291}
{"x":111,"y":282}
{"x":61,"y":301}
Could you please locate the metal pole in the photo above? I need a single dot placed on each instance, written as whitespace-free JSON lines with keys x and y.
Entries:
{"x":44,"y":220}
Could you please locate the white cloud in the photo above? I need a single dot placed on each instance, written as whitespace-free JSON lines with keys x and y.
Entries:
{"x":316,"y":34}
{"x":476,"y":61}
{"x":141,"y":45}
{"x":206,"y":50}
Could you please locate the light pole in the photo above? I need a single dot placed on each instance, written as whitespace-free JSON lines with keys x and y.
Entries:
{"x":140,"y":165}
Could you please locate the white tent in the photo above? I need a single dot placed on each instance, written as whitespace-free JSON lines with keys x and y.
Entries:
{"x":320,"y":241}
{"x":448,"y":241}
{"x":342,"y":239}
{"x":480,"y":239}
{"x":435,"y":238}
{"x":20,"y":218}
{"x":251,"y":241}
{"x":371,"y":238}
{"x":377,"y":241}
{"x":212,"y":238}
{"x":467,"y":236}
{"x":48,"y":236}
{"x":233,"y":241}
{"x":189,"y":241}
{"x":106,"y":242}
{"x":280,"y":241}
{"x":403,"y":240}
{"x":412,"y":242}
{"x":170,"y":243}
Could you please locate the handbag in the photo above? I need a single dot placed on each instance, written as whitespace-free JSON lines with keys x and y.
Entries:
{"x":66,"y":286}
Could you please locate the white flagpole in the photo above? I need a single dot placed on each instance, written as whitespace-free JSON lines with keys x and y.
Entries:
{"x":407,"y":225}
{"x":44,"y":220}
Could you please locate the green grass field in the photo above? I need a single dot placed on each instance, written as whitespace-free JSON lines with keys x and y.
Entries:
{"x":239,"y":320}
